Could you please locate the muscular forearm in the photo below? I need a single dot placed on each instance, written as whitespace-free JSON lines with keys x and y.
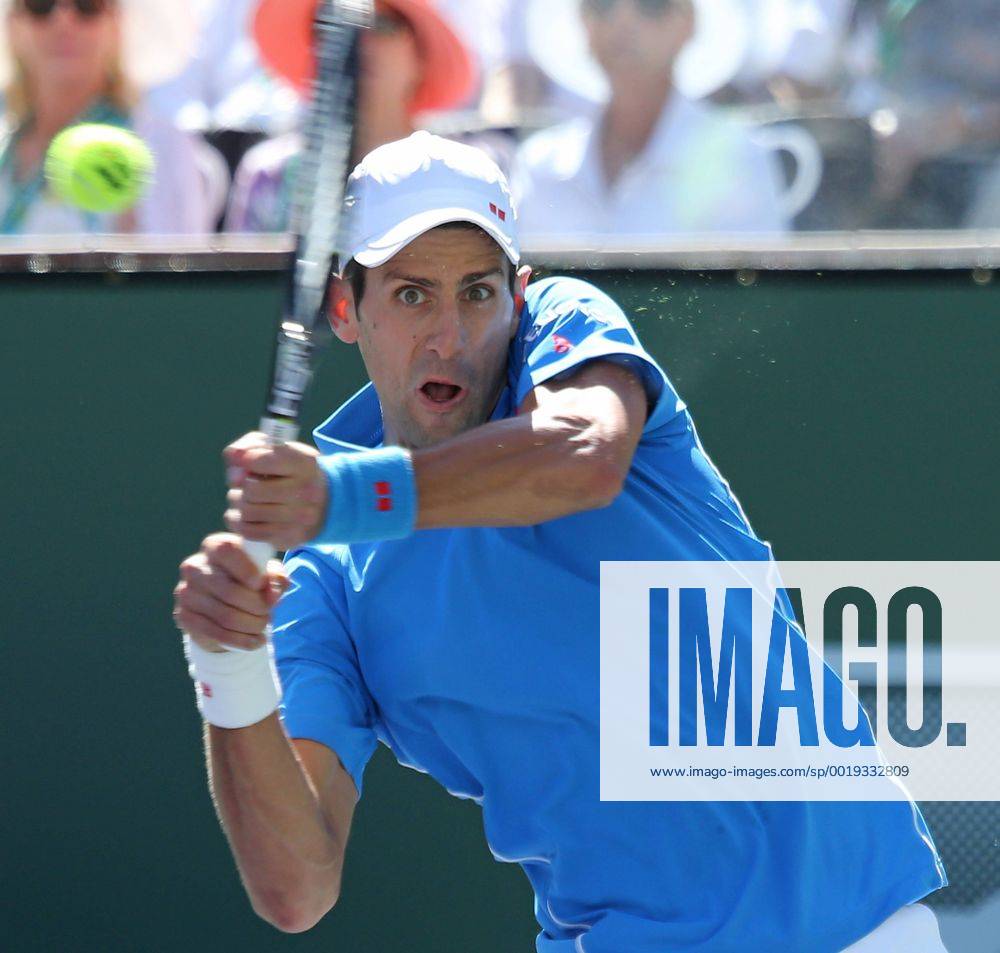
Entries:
{"x":288,"y":855}
{"x":569,"y":449}
{"x":518,"y":472}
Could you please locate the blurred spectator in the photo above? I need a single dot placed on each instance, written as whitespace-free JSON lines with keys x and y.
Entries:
{"x":795,"y":49}
{"x":938,"y":128}
{"x":70,"y":61}
{"x":225,"y":93}
{"x":411,"y":62}
{"x":654,"y":161}
{"x":483,"y":27}
{"x":224,"y":85}
{"x":513,"y":89}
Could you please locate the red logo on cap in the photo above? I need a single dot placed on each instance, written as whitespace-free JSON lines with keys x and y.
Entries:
{"x":498,"y":212}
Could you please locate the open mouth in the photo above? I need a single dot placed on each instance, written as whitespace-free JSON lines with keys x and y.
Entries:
{"x":441,"y":394}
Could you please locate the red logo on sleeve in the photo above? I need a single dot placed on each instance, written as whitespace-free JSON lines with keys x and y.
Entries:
{"x":559,"y":344}
{"x":206,"y":689}
{"x":498,"y":212}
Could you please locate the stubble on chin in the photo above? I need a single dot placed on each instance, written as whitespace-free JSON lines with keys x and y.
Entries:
{"x":416,"y":436}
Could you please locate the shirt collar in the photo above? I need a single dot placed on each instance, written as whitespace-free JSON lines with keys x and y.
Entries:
{"x":672,"y":130}
{"x":355,"y":425}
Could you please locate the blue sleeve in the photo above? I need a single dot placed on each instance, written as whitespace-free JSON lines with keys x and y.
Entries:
{"x":324,"y":697}
{"x":570,"y":322}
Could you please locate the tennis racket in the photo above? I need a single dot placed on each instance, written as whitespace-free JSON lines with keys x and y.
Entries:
{"x":318,"y":195}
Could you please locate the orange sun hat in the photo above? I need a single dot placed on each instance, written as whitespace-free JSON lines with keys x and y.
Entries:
{"x":282,"y":30}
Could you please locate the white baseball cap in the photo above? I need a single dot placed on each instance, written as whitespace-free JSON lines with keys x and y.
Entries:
{"x":405,"y":188}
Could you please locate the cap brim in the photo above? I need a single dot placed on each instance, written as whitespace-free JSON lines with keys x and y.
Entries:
{"x":379,"y":250}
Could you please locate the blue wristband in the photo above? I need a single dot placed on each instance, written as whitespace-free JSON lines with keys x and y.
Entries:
{"x":372,"y":496}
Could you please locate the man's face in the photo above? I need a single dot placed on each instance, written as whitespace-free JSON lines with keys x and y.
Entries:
{"x":434,"y":327}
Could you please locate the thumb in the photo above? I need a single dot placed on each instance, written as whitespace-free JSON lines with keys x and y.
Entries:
{"x":276,"y":583}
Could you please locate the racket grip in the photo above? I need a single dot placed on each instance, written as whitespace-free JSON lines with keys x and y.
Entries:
{"x":259,"y":552}
{"x":277,"y":430}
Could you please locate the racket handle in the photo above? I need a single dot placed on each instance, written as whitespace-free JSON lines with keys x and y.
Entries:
{"x":259,"y":552}
{"x":279,"y":429}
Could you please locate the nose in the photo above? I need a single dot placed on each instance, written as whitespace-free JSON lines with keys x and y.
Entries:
{"x":624,"y":19}
{"x":449,"y":337}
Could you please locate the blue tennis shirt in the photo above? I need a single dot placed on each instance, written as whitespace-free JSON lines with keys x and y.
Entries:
{"x":473,"y":654}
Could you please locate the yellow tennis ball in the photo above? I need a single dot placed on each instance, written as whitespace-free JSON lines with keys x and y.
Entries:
{"x":99,"y":168}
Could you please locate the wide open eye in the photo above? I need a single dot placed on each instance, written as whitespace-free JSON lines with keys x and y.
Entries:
{"x":411,"y":295}
{"x":480,"y":293}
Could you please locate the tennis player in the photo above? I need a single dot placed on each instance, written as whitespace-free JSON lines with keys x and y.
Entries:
{"x":444,"y":546}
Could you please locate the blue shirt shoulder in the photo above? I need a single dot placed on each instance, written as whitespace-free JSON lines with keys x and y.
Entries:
{"x":567,"y":322}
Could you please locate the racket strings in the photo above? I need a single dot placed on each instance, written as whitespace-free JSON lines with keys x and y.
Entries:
{"x":324,"y":165}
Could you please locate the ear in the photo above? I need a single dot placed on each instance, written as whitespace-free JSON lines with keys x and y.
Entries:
{"x":521,"y":285}
{"x":342,"y":314}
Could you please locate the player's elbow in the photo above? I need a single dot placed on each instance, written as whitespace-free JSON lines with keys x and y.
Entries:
{"x":593,"y":474}
{"x":290,"y":914}
{"x":599,"y":478}
{"x":588,"y":462}
{"x":290,"y":919}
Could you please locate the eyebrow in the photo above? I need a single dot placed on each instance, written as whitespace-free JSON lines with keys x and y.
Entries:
{"x":475,"y":276}
{"x":469,"y":279}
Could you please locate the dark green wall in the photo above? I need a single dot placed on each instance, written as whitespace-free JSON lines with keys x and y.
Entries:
{"x":854,"y":416}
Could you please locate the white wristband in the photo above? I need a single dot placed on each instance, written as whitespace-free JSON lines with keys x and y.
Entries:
{"x":234,"y":689}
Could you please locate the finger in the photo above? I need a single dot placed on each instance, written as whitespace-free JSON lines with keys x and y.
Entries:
{"x":193,"y":566}
{"x":196,"y":573}
{"x":287,"y":514}
{"x":289,"y":459}
{"x":227,"y":553}
{"x":234,"y":451}
{"x":179,"y":591}
{"x":233,"y":621}
{"x":278,"y":490}
{"x":235,"y":476}
{"x":268,"y":462}
{"x":194,"y":623}
{"x":282,"y":536}
{"x":278,"y":585}
{"x":277,"y":576}
{"x":235,"y":595}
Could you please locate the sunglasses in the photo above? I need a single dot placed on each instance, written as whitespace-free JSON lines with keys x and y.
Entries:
{"x":389,"y":24}
{"x":83,"y":8}
{"x":649,"y":8}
